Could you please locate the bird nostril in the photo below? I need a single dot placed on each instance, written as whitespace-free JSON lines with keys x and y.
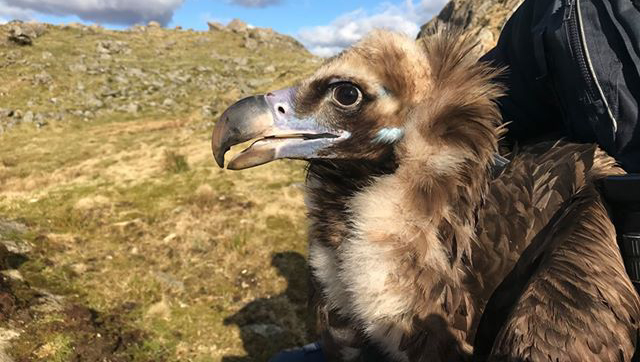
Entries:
{"x":281,"y":109}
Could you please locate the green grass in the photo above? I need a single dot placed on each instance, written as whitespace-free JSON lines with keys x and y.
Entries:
{"x":129,"y":215}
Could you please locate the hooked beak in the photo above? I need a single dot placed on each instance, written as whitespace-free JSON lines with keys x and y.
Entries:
{"x":271,"y":120}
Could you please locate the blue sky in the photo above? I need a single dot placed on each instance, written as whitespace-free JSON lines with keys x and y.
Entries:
{"x":324,"y":26}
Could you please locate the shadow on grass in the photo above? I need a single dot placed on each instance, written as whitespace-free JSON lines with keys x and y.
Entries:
{"x":269,"y":325}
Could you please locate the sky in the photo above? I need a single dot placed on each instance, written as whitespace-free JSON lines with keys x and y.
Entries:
{"x":324,"y":26}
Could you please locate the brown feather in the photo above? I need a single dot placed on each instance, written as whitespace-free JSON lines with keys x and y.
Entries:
{"x":408,"y":242}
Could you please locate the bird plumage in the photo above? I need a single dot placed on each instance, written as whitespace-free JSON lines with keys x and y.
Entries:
{"x":410,"y":237}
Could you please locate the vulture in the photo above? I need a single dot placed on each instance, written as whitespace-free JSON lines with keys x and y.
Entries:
{"x":419,"y":250}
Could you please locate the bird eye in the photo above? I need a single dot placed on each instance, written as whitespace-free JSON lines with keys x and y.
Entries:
{"x":347,"y":95}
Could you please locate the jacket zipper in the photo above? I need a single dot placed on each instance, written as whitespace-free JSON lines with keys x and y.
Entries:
{"x":581,"y":54}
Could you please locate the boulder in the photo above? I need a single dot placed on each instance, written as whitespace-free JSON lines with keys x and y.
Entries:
{"x":481,"y":19}
{"x":214,"y":26}
{"x":20,"y":36}
{"x":238,"y":26}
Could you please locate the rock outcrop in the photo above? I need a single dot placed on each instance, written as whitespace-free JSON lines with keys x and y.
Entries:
{"x":25,"y":33}
{"x":481,"y":19}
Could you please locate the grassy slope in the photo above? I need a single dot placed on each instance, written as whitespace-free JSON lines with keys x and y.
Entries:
{"x":181,"y":251}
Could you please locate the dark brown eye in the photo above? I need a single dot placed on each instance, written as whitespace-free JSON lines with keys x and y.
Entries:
{"x":347,"y":95}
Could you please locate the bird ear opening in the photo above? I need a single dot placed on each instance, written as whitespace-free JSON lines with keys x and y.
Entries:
{"x":389,"y":135}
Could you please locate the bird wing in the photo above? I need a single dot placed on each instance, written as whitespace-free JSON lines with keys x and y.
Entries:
{"x":568,"y":297}
{"x":519,"y":204}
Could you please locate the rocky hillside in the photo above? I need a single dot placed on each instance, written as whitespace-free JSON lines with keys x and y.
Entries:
{"x":120,"y":240}
{"x":482,"y":19}
{"x":87,"y":73}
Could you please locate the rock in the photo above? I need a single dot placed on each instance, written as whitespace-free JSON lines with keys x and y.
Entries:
{"x":24,"y":33}
{"x":255,"y":83}
{"x":169,"y":103}
{"x":481,"y":19}
{"x":42,"y":79}
{"x":46,"y":55}
{"x":6,"y":335}
{"x":28,"y":117}
{"x":214,"y":26}
{"x":270,"y":69}
{"x":138,"y":28}
{"x":250,"y":44}
{"x":207,"y":112}
{"x":79,"y":268}
{"x":135,"y":72}
{"x":94,"y":103}
{"x":112,"y":47}
{"x":18,"y":36}
{"x":169,"y":238}
{"x":241,"y":61}
{"x":262,"y":34}
{"x":237,"y":25}
{"x":78,"y":68}
{"x":12,"y":274}
{"x":161,"y":309}
{"x":132,"y":108}
{"x":154,"y":24}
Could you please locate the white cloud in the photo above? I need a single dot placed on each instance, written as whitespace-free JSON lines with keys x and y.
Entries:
{"x":124,"y":12}
{"x":255,"y":3}
{"x":328,"y":40}
{"x":8,"y":12}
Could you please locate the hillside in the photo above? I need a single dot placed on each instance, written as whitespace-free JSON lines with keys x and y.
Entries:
{"x":119,"y":238}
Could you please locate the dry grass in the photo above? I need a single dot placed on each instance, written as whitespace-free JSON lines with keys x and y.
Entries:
{"x":130,"y":214}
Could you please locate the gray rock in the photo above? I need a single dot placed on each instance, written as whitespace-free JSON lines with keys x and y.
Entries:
{"x":250,"y":44}
{"x":135,"y":72}
{"x":138,"y":28}
{"x":214,"y":26}
{"x":241,"y":61}
{"x":24,"y":33}
{"x":94,"y":103}
{"x":132,"y":108}
{"x":28,"y":117}
{"x":238,"y":26}
{"x":6,"y":335}
{"x":18,"y":36}
{"x":42,"y":78}
{"x":112,"y":47}
{"x":78,"y":68}
{"x":168,"y":103}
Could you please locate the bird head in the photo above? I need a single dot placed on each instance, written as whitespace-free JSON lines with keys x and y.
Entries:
{"x":359,"y":105}
{"x":354,"y":107}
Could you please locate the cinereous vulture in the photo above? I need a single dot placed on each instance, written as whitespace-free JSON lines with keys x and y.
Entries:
{"x":411,"y":233}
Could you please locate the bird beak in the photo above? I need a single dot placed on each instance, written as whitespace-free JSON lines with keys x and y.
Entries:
{"x":270,"y":119}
